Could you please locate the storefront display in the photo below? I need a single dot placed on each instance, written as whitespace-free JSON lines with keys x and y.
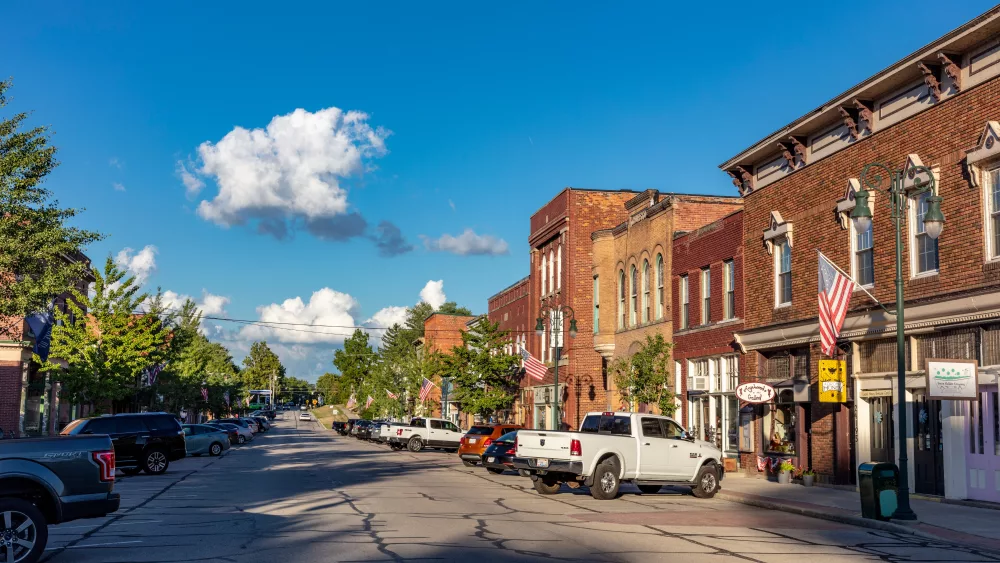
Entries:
{"x":779,"y":427}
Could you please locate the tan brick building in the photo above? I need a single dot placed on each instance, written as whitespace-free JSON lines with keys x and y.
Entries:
{"x":936,"y":107}
{"x":631,"y":271}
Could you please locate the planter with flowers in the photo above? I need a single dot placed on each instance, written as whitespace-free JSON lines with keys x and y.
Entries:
{"x":785,"y":472}
{"x":808,"y":476}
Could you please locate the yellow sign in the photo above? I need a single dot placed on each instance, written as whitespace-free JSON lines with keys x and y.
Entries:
{"x":832,"y":381}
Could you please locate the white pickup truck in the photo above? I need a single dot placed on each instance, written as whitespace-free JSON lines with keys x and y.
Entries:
{"x":648,"y":450}
{"x":426,"y":433}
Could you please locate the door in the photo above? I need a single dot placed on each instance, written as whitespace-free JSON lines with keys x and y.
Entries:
{"x":882,"y":428}
{"x":928,"y":451}
{"x":451,"y":435}
{"x":680,"y":464}
{"x":132,"y":436}
{"x":982,"y":445}
{"x":654,"y":449}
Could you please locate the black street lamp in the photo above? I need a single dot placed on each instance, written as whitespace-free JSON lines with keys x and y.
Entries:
{"x":922,"y":181}
{"x":555,"y":318}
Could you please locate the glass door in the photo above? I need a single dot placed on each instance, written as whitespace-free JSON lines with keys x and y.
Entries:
{"x":883,"y":432}
{"x":982,"y":457}
{"x":928,"y":451}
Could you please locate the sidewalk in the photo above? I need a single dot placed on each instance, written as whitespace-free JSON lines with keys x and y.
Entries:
{"x":965,"y":525}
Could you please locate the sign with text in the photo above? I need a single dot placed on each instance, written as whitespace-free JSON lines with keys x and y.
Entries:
{"x":872,"y":393}
{"x":954,"y":380}
{"x":832,"y":381}
{"x":755,"y":393}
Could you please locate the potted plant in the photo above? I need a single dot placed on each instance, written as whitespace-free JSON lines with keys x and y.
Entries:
{"x":785,"y":472}
{"x":807,"y":477}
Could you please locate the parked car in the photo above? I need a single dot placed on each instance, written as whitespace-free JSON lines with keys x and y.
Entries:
{"x":364,"y":430}
{"x":611,"y":447}
{"x":143,"y":441}
{"x":428,"y":433}
{"x":499,"y":456}
{"x":231,"y":430}
{"x":252,"y":424}
{"x":262,"y":423}
{"x":244,"y":428}
{"x":46,"y":481}
{"x":339,"y":427}
{"x":203,"y":439}
{"x":305,"y":416}
{"x":385,"y":429}
{"x":351,"y":423}
{"x":478,"y":438}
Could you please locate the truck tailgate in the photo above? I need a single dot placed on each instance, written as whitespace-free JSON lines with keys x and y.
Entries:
{"x":542,"y":444}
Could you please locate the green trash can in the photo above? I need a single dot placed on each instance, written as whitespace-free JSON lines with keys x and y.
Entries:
{"x":878,"y":484}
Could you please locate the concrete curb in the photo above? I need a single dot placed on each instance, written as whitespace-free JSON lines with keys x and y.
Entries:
{"x":834,"y":516}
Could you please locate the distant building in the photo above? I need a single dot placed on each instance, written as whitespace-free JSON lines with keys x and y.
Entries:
{"x":442,"y":332}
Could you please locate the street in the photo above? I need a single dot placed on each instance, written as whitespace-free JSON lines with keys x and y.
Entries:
{"x":301,"y":494}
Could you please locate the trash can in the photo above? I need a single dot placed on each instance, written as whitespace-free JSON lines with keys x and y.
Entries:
{"x":878,"y":484}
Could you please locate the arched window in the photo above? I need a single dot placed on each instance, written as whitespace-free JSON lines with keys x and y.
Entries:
{"x":543,"y":272}
{"x":559,"y":267}
{"x":659,"y":286}
{"x":635,"y":296}
{"x":621,"y":298}
{"x":645,"y":291}
{"x":552,"y":271}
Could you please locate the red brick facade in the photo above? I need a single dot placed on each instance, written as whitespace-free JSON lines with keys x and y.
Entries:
{"x":442,"y":333}
{"x":510,"y":308}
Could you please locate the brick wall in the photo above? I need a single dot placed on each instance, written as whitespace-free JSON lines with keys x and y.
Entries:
{"x":441,"y":333}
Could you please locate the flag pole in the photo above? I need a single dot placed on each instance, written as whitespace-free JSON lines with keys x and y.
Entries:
{"x":868,"y":293}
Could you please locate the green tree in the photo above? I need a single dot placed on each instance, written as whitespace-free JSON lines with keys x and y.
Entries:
{"x":36,"y":242}
{"x":294,"y":388}
{"x":261,"y":367}
{"x":355,"y":362}
{"x":105,"y":344}
{"x":452,"y":308}
{"x":329,"y":385}
{"x":485,"y":377}
{"x":644,"y":377}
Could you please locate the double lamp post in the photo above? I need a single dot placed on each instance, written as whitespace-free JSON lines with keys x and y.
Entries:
{"x":554,"y":314}
{"x":921,"y":190}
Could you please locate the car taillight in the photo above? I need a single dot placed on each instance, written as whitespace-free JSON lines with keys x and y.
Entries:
{"x":510,"y":451}
{"x":106,"y":461}
{"x":574,"y":448}
{"x":487,"y":443}
{"x":462,"y":441}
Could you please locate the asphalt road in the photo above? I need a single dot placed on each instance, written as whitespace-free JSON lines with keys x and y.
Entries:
{"x":303,"y":494}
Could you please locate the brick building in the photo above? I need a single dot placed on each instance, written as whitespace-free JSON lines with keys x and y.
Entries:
{"x":936,"y":107}
{"x":707,"y":287}
{"x":442,"y":332}
{"x":631,"y":270}
{"x":561,"y":274}
{"x":510,"y":308}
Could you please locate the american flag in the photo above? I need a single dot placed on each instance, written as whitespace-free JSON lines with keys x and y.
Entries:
{"x":352,"y":402}
{"x":391,"y":394}
{"x":834,"y":295}
{"x":368,"y":403}
{"x":535,"y":369}
{"x":155,"y":372}
{"x":204,"y":393}
{"x":425,"y":389}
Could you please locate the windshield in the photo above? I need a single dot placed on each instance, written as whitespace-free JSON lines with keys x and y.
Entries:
{"x":71,"y":426}
{"x":480,"y":431}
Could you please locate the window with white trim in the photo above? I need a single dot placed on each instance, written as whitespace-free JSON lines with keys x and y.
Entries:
{"x":634,"y":303}
{"x":621,"y":299}
{"x":684,"y":301}
{"x":732,"y":366}
{"x":597,"y":305}
{"x":552,"y":271}
{"x":729,"y":288}
{"x":992,"y":199}
{"x":659,"y":286}
{"x":782,"y":273}
{"x":716,"y":368}
{"x":543,"y":273}
{"x":698,"y":375}
{"x":645,"y":291}
{"x":863,"y":264}
{"x":924,"y":249}
{"x":706,"y":296}
{"x":559,"y":267}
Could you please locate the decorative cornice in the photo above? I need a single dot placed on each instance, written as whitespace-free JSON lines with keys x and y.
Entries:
{"x":952,"y":70}
{"x":846,"y":204}
{"x":931,"y":81}
{"x":787,"y":154}
{"x":799,"y":148}
{"x":987,"y":148}
{"x":778,"y":229}
{"x":849,"y":122}
{"x":865,"y":115}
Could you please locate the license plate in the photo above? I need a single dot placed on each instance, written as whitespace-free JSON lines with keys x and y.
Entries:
{"x":490,"y":459}
{"x":472,"y":440}
{"x":542,"y":462}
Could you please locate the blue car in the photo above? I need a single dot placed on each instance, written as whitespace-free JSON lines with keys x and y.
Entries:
{"x":203,"y":439}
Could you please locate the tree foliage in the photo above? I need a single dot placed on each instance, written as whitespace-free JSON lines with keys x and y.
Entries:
{"x":106,"y":346}
{"x":355,"y":362}
{"x":644,"y":377}
{"x":486,"y":378}
{"x":261,"y":367}
{"x":329,"y":385}
{"x":35,"y":237}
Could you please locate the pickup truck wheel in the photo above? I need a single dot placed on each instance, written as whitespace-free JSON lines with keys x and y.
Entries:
{"x":468,"y":463}
{"x":23,"y":531}
{"x":155,"y":462}
{"x":650,"y":489}
{"x":606,"y":482}
{"x":415,"y":444}
{"x":130,"y":470}
{"x":546,"y":486}
{"x":215,"y":449}
{"x":707,"y":481}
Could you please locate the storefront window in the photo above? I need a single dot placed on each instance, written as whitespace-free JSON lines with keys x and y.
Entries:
{"x":732,"y":424}
{"x":780,"y":426}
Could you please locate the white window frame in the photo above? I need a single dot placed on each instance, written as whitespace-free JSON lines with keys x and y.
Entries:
{"x":779,"y":245}
{"x":633,"y":302}
{"x":731,"y":364}
{"x":660,"y":279}
{"x":728,"y":287}
{"x":544,"y":273}
{"x":597,"y":304}
{"x":855,"y":270}
{"x":911,"y":214}
{"x":685,"y":297}
{"x":645,"y":291}
{"x":552,"y":271}
{"x":622,"y":296}
{"x":992,"y":249}
{"x":706,"y":296}
{"x":698,"y":375}
{"x":715,"y":375}
{"x":559,"y":267}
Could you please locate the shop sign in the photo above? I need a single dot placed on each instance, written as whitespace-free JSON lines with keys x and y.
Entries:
{"x":871,"y":393}
{"x":755,"y":393}
{"x":832,"y":381}
{"x":955,"y":380}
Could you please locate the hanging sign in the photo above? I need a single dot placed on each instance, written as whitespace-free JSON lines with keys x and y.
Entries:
{"x":832,"y":381}
{"x":755,"y":393}
{"x":954,"y":380}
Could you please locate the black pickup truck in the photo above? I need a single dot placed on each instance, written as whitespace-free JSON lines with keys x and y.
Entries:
{"x":47,"y":481}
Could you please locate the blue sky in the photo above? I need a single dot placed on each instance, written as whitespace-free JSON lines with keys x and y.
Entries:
{"x":475,"y":116}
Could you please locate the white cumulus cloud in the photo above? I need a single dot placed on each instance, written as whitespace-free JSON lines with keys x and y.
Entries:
{"x":139,"y":264}
{"x":468,"y":243}
{"x":209,"y":305}
{"x":433,"y":293}
{"x":287,"y":174}
{"x":385,"y":318}
{"x":325,"y":307}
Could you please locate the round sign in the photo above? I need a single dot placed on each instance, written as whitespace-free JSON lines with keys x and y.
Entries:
{"x":755,"y":392}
